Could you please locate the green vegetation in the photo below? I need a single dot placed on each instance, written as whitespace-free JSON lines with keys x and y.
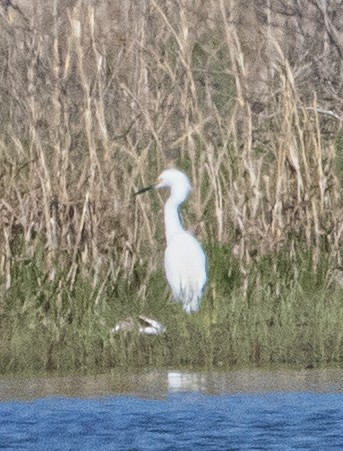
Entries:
{"x":289,"y":315}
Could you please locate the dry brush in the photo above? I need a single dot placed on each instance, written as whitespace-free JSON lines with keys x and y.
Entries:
{"x":97,"y":99}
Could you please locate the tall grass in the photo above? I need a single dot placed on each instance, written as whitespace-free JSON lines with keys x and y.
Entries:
{"x":288,"y":316}
{"x":90,"y":113}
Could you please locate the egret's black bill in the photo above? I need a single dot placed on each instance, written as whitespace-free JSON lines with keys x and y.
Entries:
{"x":143,"y":190}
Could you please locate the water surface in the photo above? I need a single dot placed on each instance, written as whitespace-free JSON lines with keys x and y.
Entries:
{"x":241,"y":410}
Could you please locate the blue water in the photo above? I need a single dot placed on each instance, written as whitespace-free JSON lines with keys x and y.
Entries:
{"x":179,"y":421}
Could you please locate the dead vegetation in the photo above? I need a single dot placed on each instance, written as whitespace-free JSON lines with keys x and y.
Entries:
{"x":98,"y":97}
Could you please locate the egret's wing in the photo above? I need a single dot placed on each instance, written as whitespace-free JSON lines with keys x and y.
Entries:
{"x":185,"y":265}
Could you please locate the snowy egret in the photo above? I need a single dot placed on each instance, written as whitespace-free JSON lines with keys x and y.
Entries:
{"x":184,"y":258}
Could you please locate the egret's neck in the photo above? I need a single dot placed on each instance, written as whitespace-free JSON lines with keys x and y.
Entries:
{"x":171,"y":218}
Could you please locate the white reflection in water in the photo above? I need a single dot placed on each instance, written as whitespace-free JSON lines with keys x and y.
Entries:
{"x":180,"y":381}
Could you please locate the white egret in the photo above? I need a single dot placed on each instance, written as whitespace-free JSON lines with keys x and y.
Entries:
{"x":184,"y":259}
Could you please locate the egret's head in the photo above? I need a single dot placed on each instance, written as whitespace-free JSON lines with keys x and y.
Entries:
{"x":178,"y":183}
{"x":174,"y":179}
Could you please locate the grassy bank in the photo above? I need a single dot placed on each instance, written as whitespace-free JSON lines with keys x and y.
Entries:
{"x":96,"y":100}
{"x":289,"y":315}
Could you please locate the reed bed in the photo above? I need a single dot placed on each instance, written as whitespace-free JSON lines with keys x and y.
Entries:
{"x":96,"y":101}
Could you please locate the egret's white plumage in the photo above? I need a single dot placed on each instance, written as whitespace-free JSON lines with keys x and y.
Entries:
{"x":184,"y":259}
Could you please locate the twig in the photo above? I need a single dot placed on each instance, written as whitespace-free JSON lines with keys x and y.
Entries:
{"x":327,"y":112}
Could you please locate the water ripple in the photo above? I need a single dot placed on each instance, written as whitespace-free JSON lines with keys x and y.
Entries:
{"x":187,"y":421}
